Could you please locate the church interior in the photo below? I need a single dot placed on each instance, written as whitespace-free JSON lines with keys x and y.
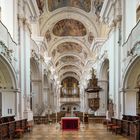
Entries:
{"x":70,"y":69}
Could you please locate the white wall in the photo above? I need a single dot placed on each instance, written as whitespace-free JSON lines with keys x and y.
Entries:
{"x":8,"y":104}
{"x":7,"y":14}
{"x":130,"y":103}
{"x":129,"y":16}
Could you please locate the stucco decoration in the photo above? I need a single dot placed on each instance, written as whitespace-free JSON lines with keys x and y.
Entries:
{"x":90,"y":37}
{"x":69,"y":27}
{"x":66,"y":59}
{"x":40,"y":4}
{"x":72,"y":73}
{"x":69,"y":46}
{"x":57,"y":64}
{"x":48,"y":36}
{"x":82,"y":4}
{"x":69,"y":67}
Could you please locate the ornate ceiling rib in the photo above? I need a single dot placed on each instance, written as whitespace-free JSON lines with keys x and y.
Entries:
{"x":69,"y":32}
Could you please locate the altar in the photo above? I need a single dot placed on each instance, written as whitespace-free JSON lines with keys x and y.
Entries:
{"x":70,"y":123}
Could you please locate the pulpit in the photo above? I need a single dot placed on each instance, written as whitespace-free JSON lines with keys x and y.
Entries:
{"x":70,"y":123}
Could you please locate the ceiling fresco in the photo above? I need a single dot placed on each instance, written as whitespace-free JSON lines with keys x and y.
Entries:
{"x":66,"y":59}
{"x":69,"y":27}
{"x":69,"y":59}
{"x":82,"y":4}
{"x":72,"y":73}
{"x":69,"y":67}
{"x":69,"y":46}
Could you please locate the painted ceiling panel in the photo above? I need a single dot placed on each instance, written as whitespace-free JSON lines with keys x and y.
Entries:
{"x":69,"y":27}
{"x":82,"y":4}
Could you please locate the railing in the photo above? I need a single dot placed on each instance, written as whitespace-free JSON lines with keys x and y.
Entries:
{"x":127,"y":128}
{"x":133,"y":39}
{"x":7,"y":46}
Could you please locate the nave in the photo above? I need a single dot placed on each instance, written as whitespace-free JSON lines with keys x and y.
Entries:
{"x":90,"y":131}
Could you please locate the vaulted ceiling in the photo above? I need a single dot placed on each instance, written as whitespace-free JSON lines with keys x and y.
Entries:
{"x":70,"y":27}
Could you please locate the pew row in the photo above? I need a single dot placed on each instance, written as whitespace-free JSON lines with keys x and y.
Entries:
{"x":128,"y":128}
{"x":13,"y":129}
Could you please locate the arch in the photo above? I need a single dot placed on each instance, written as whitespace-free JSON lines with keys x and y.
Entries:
{"x":104,"y":80}
{"x":45,"y":89}
{"x":129,"y":85}
{"x":8,"y":74}
{"x":72,"y":64}
{"x":74,"y":70}
{"x":128,"y":74}
{"x":104,"y":70}
{"x":34,"y":85}
{"x":34,"y":69}
{"x":69,"y":75}
{"x":67,"y":46}
{"x":61,"y":14}
{"x":69,"y":67}
{"x":68,"y":56}
{"x":60,"y":41}
{"x":8,"y":84}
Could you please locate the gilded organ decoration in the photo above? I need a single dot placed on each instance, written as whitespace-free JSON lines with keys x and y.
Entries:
{"x":81,"y":4}
{"x":69,"y":87}
{"x":69,"y":46}
{"x":69,"y":59}
{"x":69,"y":27}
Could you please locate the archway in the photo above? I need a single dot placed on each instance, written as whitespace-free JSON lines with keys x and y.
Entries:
{"x":8,"y":89}
{"x":45,"y":89}
{"x":104,"y":83}
{"x":131,"y":100}
{"x":35,"y":86}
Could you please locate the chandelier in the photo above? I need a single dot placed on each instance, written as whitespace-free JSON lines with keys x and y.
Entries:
{"x":93,"y":92}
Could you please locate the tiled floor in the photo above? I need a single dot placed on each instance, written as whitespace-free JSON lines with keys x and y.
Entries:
{"x":86,"y":132}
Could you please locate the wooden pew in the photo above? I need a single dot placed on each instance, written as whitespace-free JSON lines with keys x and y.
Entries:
{"x":4,"y":131}
{"x":135,"y":130}
{"x":111,"y":124}
{"x":18,"y":129}
{"x":117,"y":129}
{"x":12,"y":129}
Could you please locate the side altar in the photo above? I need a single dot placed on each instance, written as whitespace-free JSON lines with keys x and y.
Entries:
{"x":70,"y":123}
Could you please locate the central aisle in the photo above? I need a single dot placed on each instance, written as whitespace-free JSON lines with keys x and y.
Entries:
{"x":86,"y":132}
